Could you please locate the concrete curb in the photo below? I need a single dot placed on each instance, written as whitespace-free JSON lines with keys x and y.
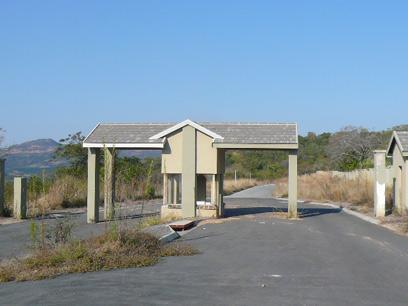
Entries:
{"x":163,"y":232}
{"x":346,"y":210}
{"x":350,"y":212}
{"x":169,"y":237}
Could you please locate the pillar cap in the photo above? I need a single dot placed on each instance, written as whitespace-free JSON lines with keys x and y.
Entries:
{"x":380,"y":151}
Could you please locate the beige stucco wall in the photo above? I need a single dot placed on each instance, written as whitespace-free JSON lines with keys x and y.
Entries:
{"x":172,"y":155}
{"x":400,"y":169}
{"x":397,"y":159}
{"x":206,"y":155}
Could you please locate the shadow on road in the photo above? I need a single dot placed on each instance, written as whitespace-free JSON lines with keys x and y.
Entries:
{"x":303,"y":212}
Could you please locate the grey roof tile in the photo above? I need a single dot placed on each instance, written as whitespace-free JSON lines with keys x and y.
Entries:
{"x":233,"y":133}
{"x":125,"y":133}
{"x":403,"y":139}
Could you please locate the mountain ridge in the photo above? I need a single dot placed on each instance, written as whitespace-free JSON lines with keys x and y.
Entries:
{"x":35,"y":156}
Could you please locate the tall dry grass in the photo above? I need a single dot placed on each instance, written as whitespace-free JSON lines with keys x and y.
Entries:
{"x":327,"y":187}
{"x":66,"y":191}
{"x":69,"y":191}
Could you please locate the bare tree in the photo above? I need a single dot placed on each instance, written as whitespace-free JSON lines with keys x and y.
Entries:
{"x":353,"y":145}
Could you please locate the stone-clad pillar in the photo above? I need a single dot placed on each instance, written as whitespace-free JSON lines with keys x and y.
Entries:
{"x":189,"y":167}
{"x":93,"y":186}
{"x":2,"y":185}
{"x":109,"y":183}
{"x":292,"y":184}
{"x":379,"y":183}
{"x":20,"y":197}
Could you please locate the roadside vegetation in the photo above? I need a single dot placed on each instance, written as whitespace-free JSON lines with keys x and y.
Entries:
{"x":346,"y":150}
{"x":136,"y":179}
{"x":139,"y":179}
{"x":331,"y":187}
{"x":56,"y":253}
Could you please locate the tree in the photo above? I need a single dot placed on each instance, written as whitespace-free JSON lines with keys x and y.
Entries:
{"x":71,"y":150}
{"x":2,"y":150}
{"x":312,"y":152}
{"x":352,"y":147}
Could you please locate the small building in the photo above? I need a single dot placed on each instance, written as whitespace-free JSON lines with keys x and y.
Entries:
{"x":193,"y":157}
{"x":398,"y":151}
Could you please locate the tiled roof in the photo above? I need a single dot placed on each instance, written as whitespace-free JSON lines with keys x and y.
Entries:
{"x":232,"y":133}
{"x":255,"y":133}
{"x":125,"y":133}
{"x":403,"y":140}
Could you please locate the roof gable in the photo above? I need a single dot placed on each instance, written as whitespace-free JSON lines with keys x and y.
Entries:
{"x":183,"y":124}
{"x":399,"y":138}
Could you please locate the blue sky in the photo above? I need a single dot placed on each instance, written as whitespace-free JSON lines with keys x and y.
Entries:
{"x":67,"y":65}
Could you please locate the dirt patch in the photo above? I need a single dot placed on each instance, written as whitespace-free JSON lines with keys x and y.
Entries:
{"x":398,"y":224}
{"x":217,"y":221}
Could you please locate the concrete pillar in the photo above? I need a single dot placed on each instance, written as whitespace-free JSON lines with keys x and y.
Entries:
{"x":379,"y":183}
{"x":109,"y":183}
{"x":165,"y":189}
{"x":214,"y":189}
{"x":93,"y":186}
{"x":2,"y":185}
{"x":220,"y":182}
{"x":292,"y":184}
{"x":188,"y":180}
{"x":220,"y":195}
{"x":20,"y":197}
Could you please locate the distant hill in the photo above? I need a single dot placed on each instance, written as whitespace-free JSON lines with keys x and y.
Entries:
{"x":33,"y":157}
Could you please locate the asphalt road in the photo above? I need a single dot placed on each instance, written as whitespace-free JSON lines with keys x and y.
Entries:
{"x":259,"y":192}
{"x":252,"y":258}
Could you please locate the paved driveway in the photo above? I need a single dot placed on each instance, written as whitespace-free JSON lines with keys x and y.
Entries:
{"x":252,"y":258}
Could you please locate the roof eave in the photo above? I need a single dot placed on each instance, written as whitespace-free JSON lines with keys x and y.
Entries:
{"x":260,"y":146}
{"x":183,"y":124}
{"x":147,"y":146}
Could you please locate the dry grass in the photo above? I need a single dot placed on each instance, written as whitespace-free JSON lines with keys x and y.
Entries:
{"x":112,"y":250}
{"x":324,"y":186}
{"x":69,"y":191}
{"x":66,"y":191}
{"x":230,"y":186}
